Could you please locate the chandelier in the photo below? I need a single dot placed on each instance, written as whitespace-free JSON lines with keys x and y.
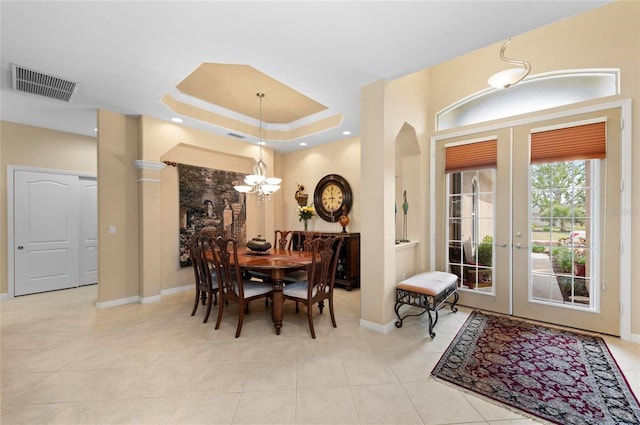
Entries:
{"x":509,"y":77}
{"x":258,"y":182}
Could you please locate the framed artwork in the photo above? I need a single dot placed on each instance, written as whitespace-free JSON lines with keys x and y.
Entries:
{"x":208,"y":202}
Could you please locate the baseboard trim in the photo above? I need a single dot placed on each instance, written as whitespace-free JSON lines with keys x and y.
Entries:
{"x":375,"y":327}
{"x":5,"y":296}
{"x":142,"y":300}
{"x":150,"y":300}
{"x":118,"y":302}
{"x":176,"y":290}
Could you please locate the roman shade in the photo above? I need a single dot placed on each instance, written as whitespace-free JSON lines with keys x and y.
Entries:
{"x":588,"y":141}
{"x":471,"y":156}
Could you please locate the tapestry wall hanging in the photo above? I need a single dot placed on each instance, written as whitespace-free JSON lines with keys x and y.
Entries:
{"x":208,"y":202}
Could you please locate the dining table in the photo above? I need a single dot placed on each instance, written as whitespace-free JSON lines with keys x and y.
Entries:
{"x":275,"y":263}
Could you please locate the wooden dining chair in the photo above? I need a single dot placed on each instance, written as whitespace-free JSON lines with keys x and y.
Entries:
{"x":321,"y":278}
{"x":304,"y":243}
{"x":234,"y":288}
{"x":283,"y":239}
{"x":206,"y":278}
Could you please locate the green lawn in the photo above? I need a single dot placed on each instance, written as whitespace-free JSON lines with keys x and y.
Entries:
{"x":545,"y":236}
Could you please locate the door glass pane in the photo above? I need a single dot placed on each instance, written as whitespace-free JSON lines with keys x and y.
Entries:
{"x":562,"y":233}
{"x":471,"y":213}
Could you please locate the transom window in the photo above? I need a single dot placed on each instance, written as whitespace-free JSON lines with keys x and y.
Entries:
{"x":535,"y":93}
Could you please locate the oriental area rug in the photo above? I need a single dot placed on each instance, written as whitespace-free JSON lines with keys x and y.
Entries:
{"x":547,"y":373}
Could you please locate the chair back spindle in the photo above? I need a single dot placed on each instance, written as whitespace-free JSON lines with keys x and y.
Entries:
{"x":283,"y":239}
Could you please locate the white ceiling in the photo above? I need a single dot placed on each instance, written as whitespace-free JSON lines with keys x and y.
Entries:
{"x":127,"y":55}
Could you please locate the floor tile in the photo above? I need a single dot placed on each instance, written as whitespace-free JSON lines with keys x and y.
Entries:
{"x":384,"y":404}
{"x":210,"y":409}
{"x":146,"y":411}
{"x":266,"y":407}
{"x":452,"y":407}
{"x":321,"y":406}
{"x":271,"y":375}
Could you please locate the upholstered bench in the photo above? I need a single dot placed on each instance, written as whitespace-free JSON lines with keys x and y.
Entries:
{"x":427,"y":290}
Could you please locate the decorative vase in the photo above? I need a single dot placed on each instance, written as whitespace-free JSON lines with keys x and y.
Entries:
{"x":344,"y":221}
{"x":305,"y":224}
{"x":258,"y":244}
{"x":302,"y":199}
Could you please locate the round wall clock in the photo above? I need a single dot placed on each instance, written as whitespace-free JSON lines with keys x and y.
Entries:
{"x":331,"y":194}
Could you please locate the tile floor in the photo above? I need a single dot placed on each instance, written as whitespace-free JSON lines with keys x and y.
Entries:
{"x":64,"y":362}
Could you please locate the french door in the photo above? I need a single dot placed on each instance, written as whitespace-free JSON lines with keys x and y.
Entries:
{"x":476,"y":232}
{"x":530,"y":235}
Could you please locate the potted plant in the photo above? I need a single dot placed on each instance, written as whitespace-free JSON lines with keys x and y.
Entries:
{"x":485,"y":251}
{"x":579,"y":261}
{"x":484,"y":259}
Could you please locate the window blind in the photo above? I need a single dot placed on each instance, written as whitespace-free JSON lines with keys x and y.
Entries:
{"x":587,"y":141}
{"x":472,"y":156}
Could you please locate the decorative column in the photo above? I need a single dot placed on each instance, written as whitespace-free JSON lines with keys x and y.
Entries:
{"x":150,"y":222}
{"x":377,"y":195}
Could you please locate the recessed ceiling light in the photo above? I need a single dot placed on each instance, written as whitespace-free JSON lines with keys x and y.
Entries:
{"x":262,"y":143}
{"x":346,"y":133}
{"x":176,"y":119}
{"x":303,"y":143}
{"x":95,"y":129}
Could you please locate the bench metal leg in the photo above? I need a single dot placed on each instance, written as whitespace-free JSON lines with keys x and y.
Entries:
{"x":455,"y":301}
{"x":428,"y":303}
{"x":401,"y":319}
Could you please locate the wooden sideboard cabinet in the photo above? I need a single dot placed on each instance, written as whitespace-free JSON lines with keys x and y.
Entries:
{"x":348,"y":270}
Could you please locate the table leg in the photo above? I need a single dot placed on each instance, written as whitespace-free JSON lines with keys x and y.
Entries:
{"x":278,"y":300}
{"x":277,"y":280}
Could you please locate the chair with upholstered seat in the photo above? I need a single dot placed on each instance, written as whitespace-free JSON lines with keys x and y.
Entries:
{"x":233,"y":287}
{"x":206,"y":279}
{"x":321,"y":278}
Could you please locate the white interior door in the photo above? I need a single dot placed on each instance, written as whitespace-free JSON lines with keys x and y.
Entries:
{"x":88,"y":231}
{"x":46,"y":215}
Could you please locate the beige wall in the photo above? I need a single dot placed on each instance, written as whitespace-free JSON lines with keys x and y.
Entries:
{"x":118,"y":254}
{"x":307,"y":167}
{"x":26,"y":146}
{"x":390,"y":165}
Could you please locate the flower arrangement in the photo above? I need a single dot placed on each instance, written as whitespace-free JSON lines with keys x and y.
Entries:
{"x":306,"y":212}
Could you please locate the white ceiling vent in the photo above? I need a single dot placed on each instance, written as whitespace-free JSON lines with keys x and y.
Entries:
{"x":41,"y":84}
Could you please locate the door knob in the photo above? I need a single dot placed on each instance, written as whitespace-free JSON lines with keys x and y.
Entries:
{"x":520,"y":246}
